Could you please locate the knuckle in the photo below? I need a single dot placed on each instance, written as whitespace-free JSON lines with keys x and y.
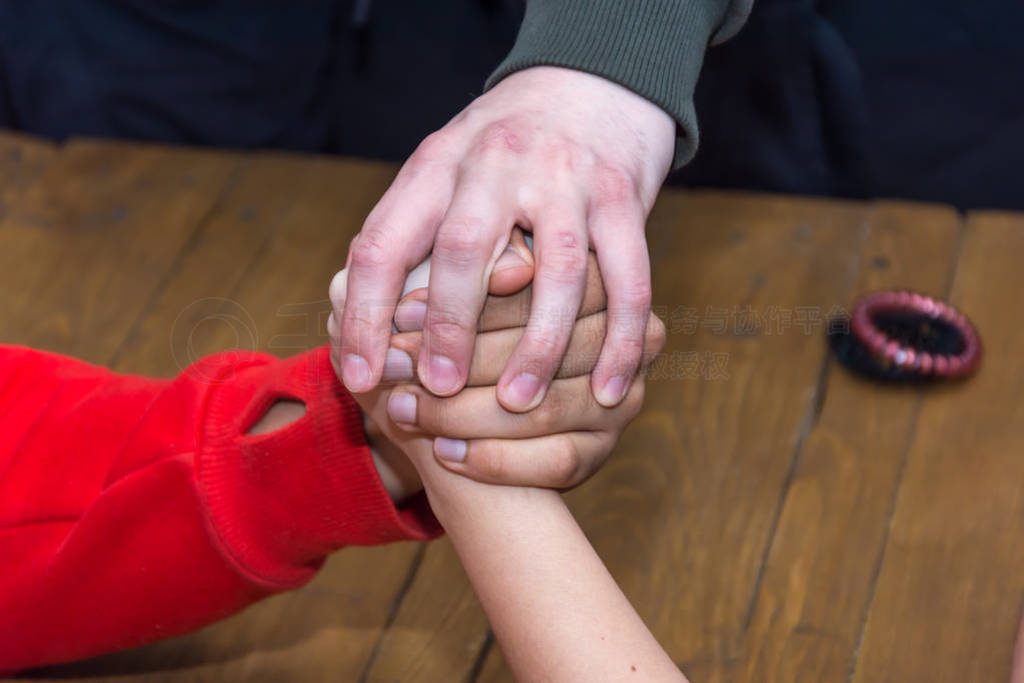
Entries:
{"x":503,"y":136}
{"x":434,"y":415}
{"x":637,"y":294}
{"x":371,"y":249}
{"x":359,"y":318}
{"x":432,"y":147}
{"x":566,"y":155}
{"x":655,"y":335}
{"x":550,"y":415}
{"x":364,"y":327}
{"x":544,"y":416}
{"x":628,"y":348}
{"x":564,"y":262}
{"x":467,"y":116}
{"x":488,"y":462}
{"x":627,"y":325}
{"x":565,"y":463}
{"x":446,"y":325}
{"x":545,"y":342}
{"x":460,"y":242}
{"x":614,"y":187}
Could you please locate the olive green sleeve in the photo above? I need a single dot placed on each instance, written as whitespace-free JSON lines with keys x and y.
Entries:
{"x":653,"y":47}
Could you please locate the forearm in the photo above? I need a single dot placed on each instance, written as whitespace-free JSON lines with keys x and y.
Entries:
{"x":556,"y":611}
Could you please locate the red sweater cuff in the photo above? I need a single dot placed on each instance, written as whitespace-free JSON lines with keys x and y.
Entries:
{"x":280,"y":502}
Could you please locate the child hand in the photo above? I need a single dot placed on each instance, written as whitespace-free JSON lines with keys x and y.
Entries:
{"x":557,"y":445}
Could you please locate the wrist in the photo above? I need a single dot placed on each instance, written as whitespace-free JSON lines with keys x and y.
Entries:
{"x":282,"y":499}
{"x":457,"y":500}
{"x":401,"y":483}
{"x":279,"y":416}
{"x":396,"y":471}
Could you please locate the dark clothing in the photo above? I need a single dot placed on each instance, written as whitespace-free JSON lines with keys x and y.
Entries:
{"x":342,"y":76}
{"x":860,"y":98}
{"x":302,"y":76}
{"x":921,"y":99}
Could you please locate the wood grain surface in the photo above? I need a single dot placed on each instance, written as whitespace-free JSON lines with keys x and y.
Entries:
{"x":771,"y":517}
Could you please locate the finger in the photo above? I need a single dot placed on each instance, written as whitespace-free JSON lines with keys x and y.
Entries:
{"x":474,"y":413}
{"x":559,"y":461}
{"x":493,"y":349}
{"x":472,"y":236}
{"x":512,"y":272}
{"x":514,"y":311}
{"x":397,"y":365}
{"x":501,"y":312}
{"x":334,"y":335}
{"x":396,"y":236}
{"x":626,"y":270}
{"x":560,"y":247}
{"x":654,"y":341}
{"x":514,"y":268}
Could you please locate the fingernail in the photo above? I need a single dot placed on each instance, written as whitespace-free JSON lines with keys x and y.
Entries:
{"x":523,"y":389}
{"x":398,"y":366}
{"x":510,"y":258}
{"x":442,"y":374}
{"x":355,"y":372}
{"x":612,"y":391}
{"x":402,"y":407}
{"x":453,"y":450}
{"x":410,"y":316}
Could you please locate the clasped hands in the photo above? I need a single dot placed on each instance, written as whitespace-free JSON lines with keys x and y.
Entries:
{"x":557,"y":445}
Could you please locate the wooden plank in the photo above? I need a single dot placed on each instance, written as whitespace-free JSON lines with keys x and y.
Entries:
{"x":823,"y":562}
{"x":22,"y":159}
{"x":685,"y":513}
{"x":321,"y":632}
{"x":259,"y":269}
{"x":684,"y":510}
{"x":260,"y":265}
{"x":439,"y":631}
{"x":94,"y":237}
{"x":949,"y":594}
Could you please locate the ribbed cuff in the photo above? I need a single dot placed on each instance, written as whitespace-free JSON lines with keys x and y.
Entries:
{"x":653,"y":47}
{"x":281,"y":502}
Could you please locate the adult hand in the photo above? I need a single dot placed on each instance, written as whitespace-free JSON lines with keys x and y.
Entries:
{"x":573,"y":158}
{"x":558,"y":445}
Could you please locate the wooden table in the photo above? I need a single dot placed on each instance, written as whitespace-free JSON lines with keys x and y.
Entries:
{"x":771,"y":517}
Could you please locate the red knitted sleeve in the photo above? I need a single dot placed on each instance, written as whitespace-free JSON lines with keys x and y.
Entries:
{"x":134,"y":509}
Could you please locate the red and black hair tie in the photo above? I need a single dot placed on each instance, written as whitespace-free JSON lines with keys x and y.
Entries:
{"x":905,"y":336}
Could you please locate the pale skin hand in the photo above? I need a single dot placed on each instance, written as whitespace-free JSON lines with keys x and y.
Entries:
{"x":573,"y":158}
{"x":579,"y":432}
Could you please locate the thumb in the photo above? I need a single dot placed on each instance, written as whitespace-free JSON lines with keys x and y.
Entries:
{"x":514,"y":268}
